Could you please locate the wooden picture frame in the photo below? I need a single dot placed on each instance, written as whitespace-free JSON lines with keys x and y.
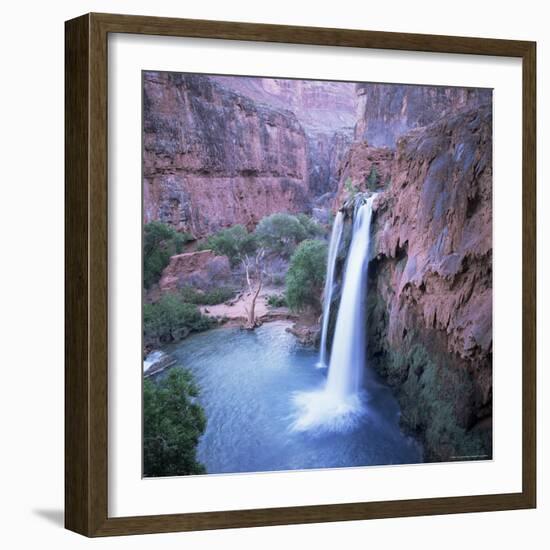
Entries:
{"x":86,"y":282}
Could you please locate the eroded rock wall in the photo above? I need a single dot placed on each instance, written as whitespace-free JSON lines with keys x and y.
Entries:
{"x":326,"y":152}
{"x":214,"y":158}
{"x":387,"y":111}
{"x":326,"y":111}
{"x":430,"y":290}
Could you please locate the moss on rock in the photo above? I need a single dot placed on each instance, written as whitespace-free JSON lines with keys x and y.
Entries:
{"x":431,"y":394}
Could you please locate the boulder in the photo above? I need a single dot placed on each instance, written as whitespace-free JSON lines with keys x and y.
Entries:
{"x":201,"y":270}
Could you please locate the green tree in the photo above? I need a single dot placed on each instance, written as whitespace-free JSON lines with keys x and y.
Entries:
{"x":311,"y":227}
{"x":172,"y":423}
{"x":306,"y":275}
{"x":160,"y":242}
{"x":281,"y":233}
{"x":235,"y":242}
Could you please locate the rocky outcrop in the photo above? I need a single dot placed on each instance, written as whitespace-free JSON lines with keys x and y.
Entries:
{"x":430,"y":289}
{"x":361,"y":164}
{"x":307,"y":330}
{"x":201,"y":270}
{"x":387,"y":111}
{"x":437,"y":213}
{"x":214,"y":158}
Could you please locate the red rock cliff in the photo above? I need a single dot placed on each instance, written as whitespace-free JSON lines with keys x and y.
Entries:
{"x":326,"y":111}
{"x":430,"y":296}
{"x":213,"y":158}
{"x":356,"y":167}
{"x":387,"y":111}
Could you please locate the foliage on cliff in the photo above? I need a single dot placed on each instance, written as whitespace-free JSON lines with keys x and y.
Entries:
{"x":172,"y":423}
{"x":242,"y":247}
{"x":429,"y":392}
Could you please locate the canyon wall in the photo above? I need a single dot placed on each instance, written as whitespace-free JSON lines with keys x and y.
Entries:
{"x":318,"y":105}
{"x":218,"y":150}
{"x":326,"y":152}
{"x":214,"y":158}
{"x":387,"y":111}
{"x":326,"y":111}
{"x":430,"y":289}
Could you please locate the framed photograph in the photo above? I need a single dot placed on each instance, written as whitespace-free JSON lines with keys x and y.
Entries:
{"x":300,"y":275}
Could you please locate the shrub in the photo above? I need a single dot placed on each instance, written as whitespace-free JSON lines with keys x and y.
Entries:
{"x":312,"y":228}
{"x":372,"y":178}
{"x":280,"y":233}
{"x":234,"y":242}
{"x":160,"y":242}
{"x":172,"y":423}
{"x":277,"y":279}
{"x":306,"y":275}
{"x":276,"y":300}
{"x":208,"y":298}
{"x":171,"y":319}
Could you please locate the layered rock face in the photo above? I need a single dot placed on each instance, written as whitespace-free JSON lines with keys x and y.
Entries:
{"x":387,"y":111}
{"x":214,"y":158}
{"x":326,"y":111}
{"x":430,"y":290}
{"x":318,"y":105}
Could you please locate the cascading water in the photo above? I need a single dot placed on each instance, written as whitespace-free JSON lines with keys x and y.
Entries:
{"x":348,"y":348}
{"x":335,"y":239}
{"x":339,"y":403}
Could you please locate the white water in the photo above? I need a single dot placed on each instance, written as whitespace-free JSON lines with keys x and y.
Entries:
{"x":347,"y":361}
{"x":335,"y":239}
{"x":152,"y":359}
{"x":339,"y":404}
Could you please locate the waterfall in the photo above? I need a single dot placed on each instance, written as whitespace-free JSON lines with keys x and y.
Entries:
{"x":347,"y":363}
{"x":339,"y":403}
{"x":335,"y":239}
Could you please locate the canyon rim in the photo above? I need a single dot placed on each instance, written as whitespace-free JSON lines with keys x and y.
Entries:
{"x":317,"y":274}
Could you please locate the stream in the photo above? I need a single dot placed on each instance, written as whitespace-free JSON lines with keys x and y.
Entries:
{"x":250,"y":383}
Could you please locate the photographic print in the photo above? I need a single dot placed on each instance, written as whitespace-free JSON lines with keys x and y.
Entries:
{"x":317,"y":274}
